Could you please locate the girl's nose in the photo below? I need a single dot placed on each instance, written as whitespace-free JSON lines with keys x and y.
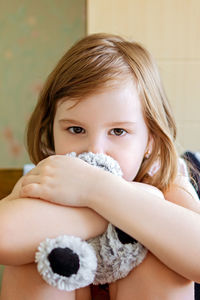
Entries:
{"x":95,"y":148}
{"x":97,"y":145}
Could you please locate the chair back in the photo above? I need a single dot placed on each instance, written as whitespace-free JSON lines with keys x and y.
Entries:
{"x":8,"y":178}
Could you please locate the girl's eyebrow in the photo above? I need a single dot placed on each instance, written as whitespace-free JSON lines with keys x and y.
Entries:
{"x":114,"y":124}
{"x":122,"y":123}
{"x":70,"y":121}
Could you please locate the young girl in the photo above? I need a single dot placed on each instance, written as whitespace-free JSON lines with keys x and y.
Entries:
{"x":104,"y":96}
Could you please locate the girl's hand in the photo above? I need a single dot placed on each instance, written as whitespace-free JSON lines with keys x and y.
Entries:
{"x":60,"y":179}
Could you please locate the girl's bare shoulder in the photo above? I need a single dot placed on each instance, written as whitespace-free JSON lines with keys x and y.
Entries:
{"x":182,"y":193}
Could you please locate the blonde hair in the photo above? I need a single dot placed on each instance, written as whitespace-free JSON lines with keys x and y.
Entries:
{"x":90,"y":65}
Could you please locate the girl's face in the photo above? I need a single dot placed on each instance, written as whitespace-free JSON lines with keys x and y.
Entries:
{"x":109,"y":122}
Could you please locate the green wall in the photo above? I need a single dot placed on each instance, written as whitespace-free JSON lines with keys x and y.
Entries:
{"x":33,"y":36}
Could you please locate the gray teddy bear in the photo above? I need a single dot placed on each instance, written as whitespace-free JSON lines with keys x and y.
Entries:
{"x":68,"y":263}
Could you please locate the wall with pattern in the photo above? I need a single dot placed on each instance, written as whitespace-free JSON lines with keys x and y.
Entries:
{"x":33,"y":36}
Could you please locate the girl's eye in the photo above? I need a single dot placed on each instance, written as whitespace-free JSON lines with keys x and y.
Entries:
{"x":76,"y":130}
{"x":118,"y":131}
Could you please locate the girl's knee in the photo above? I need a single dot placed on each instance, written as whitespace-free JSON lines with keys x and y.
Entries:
{"x":24,"y":282}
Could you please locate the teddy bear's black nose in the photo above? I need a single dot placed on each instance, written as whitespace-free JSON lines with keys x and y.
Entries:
{"x":64,"y":261}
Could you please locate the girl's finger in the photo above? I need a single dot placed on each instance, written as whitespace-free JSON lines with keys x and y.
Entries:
{"x":31,"y":179}
{"x":33,"y":190}
{"x":38,"y":168}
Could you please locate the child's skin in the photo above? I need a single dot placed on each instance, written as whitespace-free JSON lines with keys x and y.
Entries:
{"x":109,"y":122}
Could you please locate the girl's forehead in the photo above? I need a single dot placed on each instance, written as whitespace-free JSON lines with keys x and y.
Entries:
{"x":120,"y":101}
{"x":121,"y":91}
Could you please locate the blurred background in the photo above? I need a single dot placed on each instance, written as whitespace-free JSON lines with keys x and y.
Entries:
{"x":34,"y":35}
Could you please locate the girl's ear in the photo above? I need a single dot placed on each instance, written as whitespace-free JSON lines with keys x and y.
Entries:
{"x":149,"y":147}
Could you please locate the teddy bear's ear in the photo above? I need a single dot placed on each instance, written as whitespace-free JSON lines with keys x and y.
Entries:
{"x":66,"y":262}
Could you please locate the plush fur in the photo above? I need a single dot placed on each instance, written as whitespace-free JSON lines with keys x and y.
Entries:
{"x":87,"y":262}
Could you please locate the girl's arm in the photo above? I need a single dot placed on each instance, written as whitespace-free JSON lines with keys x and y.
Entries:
{"x":171,"y":232}
{"x":24,"y":223}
